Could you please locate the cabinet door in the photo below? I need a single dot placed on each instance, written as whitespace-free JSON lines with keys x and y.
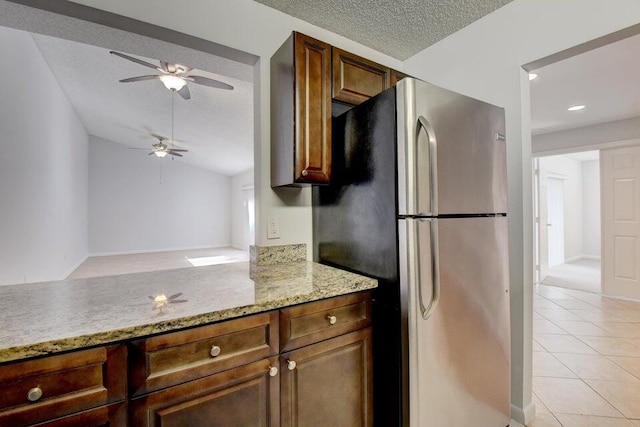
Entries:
{"x":313,"y":110}
{"x":328,"y":383}
{"x":356,"y":79}
{"x":247,"y":396}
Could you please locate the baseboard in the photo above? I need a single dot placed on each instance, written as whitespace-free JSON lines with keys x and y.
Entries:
{"x":523,"y":416}
{"x":72,"y":269}
{"x":192,"y":248}
{"x":579,"y":257}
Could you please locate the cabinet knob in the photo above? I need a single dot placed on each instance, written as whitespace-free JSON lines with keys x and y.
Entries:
{"x":215,"y":351}
{"x":291,"y":365}
{"x":34,"y":394}
{"x":273,"y":371}
{"x":304,"y":172}
{"x":332,"y":319}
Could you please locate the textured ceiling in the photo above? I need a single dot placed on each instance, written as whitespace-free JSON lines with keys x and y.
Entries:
{"x":215,"y":125}
{"x":605,"y":80}
{"x":399,"y":28}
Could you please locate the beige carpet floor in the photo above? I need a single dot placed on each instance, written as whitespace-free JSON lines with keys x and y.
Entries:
{"x":582,"y":275}
{"x":136,"y":263}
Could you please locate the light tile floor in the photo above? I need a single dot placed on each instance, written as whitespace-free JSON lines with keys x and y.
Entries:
{"x":586,"y":359}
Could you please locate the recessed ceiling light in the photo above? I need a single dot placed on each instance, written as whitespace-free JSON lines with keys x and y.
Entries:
{"x":576,"y":108}
{"x":532,"y":76}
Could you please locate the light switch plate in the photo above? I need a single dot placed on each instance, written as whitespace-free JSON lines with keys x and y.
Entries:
{"x":273,"y":227}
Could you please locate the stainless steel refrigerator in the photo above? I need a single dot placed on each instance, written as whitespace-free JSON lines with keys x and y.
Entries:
{"x":418,"y":200}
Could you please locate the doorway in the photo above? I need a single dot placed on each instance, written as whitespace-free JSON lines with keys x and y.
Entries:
{"x":567,"y":212}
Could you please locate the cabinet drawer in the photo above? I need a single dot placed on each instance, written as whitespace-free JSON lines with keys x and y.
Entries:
{"x":246,"y":396}
{"x":309,"y":323}
{"x":114,"y":415}
{"x":55,"y":386}
{"x":178,"y":357}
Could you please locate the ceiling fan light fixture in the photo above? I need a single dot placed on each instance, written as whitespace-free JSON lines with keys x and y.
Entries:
{"x":172,"y":82}
{"x":160,"y":153}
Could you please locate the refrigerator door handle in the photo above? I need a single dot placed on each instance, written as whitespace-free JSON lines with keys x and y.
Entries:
{"x":427,"y":311}
{"x":432,"y":148}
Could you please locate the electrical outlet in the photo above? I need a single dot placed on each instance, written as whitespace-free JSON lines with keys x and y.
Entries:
{"x":273,"y":227}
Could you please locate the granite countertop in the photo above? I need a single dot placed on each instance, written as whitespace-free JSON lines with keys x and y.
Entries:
{"x":44,"y":318}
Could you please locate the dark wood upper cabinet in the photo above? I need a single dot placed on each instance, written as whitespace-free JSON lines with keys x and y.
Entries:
{"x":301,"y":112}
{"x":396,"y":76}
{"x":356,"y":79}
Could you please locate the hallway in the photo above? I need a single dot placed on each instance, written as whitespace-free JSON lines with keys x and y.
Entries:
{"x":586,"y":359}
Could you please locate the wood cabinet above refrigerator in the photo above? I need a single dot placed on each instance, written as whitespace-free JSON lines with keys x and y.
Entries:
{"x":308,"y":77}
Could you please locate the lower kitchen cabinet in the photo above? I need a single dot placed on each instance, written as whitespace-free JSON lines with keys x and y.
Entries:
{"x":247,"y":396}
{"x":70,"y":389}
{"x":328,"y":383}
{"x":307,"y":365}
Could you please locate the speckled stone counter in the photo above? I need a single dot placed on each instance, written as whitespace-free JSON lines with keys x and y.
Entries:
{"x":44,"y":318}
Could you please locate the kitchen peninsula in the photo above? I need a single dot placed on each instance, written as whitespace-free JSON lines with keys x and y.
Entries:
{"x":237,"y":328}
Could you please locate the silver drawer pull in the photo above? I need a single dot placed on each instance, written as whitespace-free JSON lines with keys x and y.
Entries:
{"x":215,"y":351}
{"x":34,"y":394}
{"x":332,"y":319}
{"x":273,"y":371}
{"x":291,"y":365}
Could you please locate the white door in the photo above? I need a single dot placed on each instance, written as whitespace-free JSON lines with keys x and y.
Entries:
{"x":555,"y":218}
{"x":620,"y":195}
{"x":541,"y":224}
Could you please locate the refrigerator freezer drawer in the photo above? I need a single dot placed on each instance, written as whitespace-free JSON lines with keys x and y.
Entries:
{"x":459,"y":355}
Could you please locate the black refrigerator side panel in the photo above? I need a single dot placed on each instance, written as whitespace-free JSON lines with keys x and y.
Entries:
{"x":355,"y":227}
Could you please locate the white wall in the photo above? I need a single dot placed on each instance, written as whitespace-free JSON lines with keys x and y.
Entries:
{"x":254,"y":28}
{"x":571,"y":172}
{"x":484,"y":60}
{"x":139,"y":203}
{"x":239,"y":183}
{"x":591,"y":208}
{"x":43,"y":169}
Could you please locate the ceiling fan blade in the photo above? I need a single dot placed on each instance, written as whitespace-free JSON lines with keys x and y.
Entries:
{"x":206,"y":81}
{"x":184,"y":92}
{"x":171,"y":153}
{"x":178,"y":149}
{"x":138,"y":79}
{"x":164,"y":65}
{"x":153,"y":152}
{"x":136,"y":60}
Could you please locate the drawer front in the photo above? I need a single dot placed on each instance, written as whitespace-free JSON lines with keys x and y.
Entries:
{"x":246,"y":396}
{"x":309,"y":323}
{"x":175,"y":358}
{"x":55,"y":386}
{"x":114,"y":415}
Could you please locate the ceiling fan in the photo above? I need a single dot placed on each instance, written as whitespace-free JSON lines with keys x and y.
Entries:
{"x":161,"y":149}
{"x":174,"y":76}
